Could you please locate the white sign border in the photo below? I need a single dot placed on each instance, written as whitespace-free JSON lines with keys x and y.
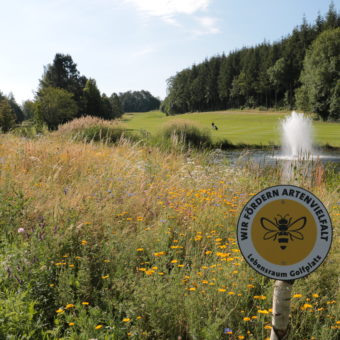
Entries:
{"x":288,"y":272}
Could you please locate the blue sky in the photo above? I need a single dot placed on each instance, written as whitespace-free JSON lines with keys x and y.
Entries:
{"x":135,"y":44}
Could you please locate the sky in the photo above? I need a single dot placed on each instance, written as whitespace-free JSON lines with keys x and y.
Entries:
{"x":135,"y":44}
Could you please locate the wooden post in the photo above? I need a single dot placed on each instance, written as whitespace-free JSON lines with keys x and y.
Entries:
{"x":281,"y":309}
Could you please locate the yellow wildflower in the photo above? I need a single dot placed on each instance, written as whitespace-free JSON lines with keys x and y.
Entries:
{"x":306,"y":306}
{"x":99,"y":327}
{"x":260,"y":297}
{"x":297,"y":295}
{"x":160,"y":253}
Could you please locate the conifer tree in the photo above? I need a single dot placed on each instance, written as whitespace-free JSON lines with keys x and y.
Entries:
{"x":7,"y":115}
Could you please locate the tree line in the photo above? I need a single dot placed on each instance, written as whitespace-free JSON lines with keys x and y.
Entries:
{"x":10,"y":112}
{"x":138,"y":101}
{"x":300,"y":71}
{"x":64,"y":94}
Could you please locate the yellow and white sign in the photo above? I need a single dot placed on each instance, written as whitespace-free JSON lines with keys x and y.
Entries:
{"x":284,"y":232}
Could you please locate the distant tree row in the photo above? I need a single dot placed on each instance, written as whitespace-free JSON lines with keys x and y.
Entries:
{"x":139,"y":101}
{"x":302,"y":70}
{"x":64,"y":94}
{"x":10,"y":112}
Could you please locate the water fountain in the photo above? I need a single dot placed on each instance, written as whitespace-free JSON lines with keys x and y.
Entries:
{"x":300,"y":158}
{"x":297,"y":147}
{"x":297,"y":140}
{"x":297,"y":137}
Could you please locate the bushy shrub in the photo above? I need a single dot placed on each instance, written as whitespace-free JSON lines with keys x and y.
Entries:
{"x":99,"y":133}
{"x":95,"y":129}
{"x":30,"y":131}
{"x":82,"y":123}
{"x":185,"y":133}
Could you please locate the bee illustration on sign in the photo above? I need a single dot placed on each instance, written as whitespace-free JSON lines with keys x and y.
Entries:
{"x":283,"y":229}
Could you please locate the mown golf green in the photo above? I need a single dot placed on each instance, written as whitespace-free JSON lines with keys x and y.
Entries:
{"x":238,"y":127}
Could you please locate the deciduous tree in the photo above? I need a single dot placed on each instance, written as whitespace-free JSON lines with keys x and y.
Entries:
{"x":321,"y":76}
{"x":55,"y":106}
{"x":63,"y":73}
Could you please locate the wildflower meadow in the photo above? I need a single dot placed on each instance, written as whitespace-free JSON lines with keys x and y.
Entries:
{"x":135,"y":241}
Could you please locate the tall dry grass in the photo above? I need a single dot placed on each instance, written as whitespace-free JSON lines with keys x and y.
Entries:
{"x":125,"y":241}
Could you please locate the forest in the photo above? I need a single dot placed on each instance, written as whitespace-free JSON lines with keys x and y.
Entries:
{"x":302,"y":71}
{"x":64,"y":94}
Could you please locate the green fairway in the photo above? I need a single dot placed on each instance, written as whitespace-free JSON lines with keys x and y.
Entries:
{"x":248,"y":127}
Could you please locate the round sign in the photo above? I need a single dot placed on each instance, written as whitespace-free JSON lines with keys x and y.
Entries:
{"x":284,"y":232}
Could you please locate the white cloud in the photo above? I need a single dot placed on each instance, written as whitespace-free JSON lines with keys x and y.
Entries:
{"x":169,"y":8}
{"x":207,"y":26}
{"x":172,"y":11}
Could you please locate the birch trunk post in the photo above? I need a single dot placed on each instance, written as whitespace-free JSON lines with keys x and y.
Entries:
{"x":281,"y":310}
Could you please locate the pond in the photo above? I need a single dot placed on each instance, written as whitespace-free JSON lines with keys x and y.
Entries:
{"x":275,"y":158}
